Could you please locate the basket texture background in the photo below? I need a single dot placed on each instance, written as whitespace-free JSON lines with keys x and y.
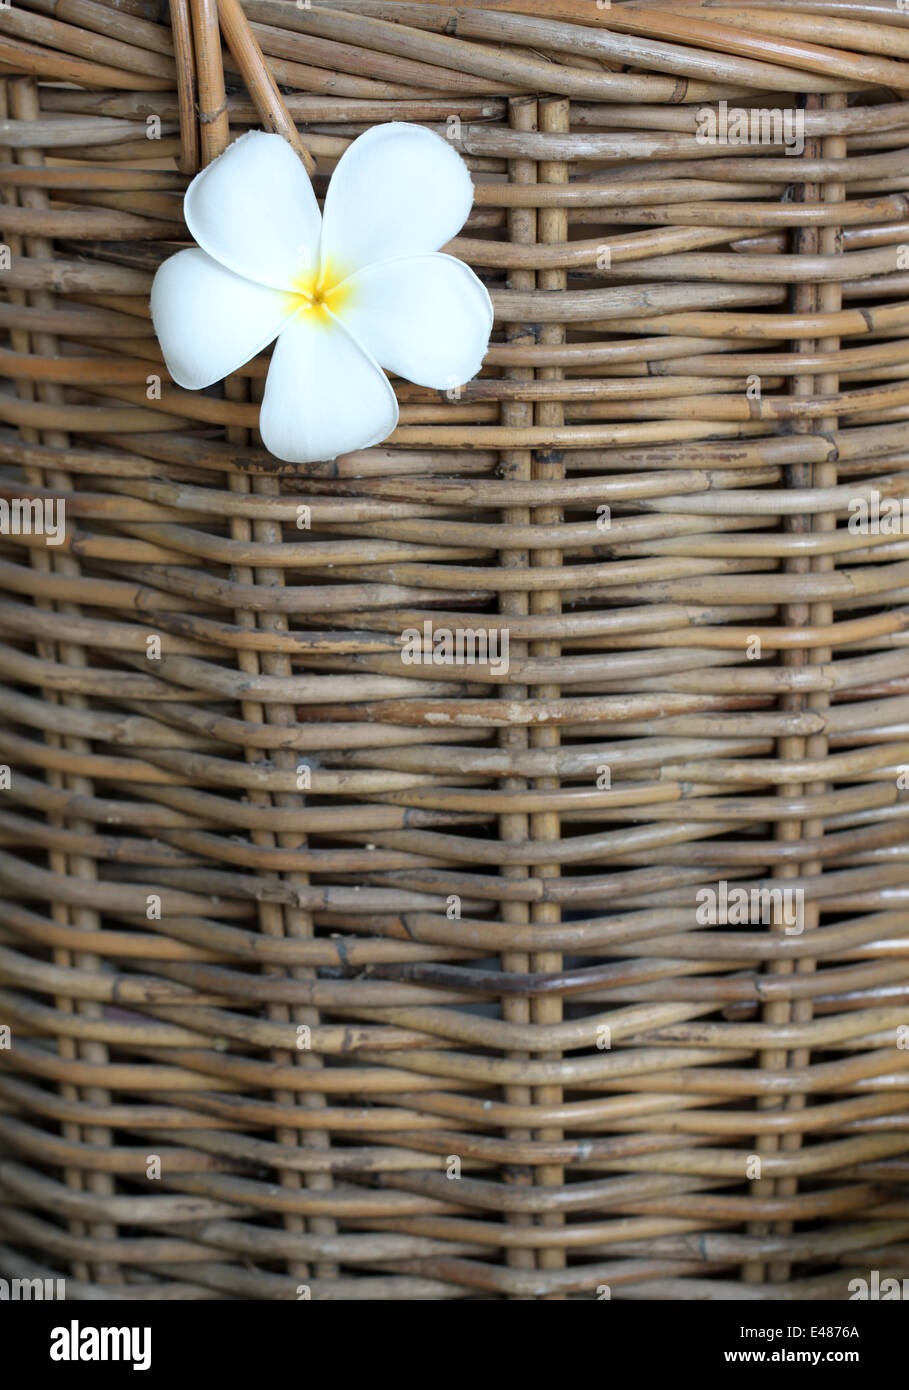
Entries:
{"x":361,"y":1046}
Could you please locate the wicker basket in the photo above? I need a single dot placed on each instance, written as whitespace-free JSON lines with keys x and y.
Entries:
{"x":469,"y":1011}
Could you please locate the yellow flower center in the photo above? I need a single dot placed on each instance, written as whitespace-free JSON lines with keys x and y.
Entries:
{"x":315,"y":291}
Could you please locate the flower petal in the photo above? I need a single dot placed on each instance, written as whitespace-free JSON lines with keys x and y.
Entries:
{"x":325,"y":395}
{"x":397,"y":190}
{"x":254,"y":210}
{"x":426,"y":318}
{"x":210,"y":321}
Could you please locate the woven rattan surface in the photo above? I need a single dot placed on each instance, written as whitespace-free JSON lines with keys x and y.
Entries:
{"x":393,"y":980}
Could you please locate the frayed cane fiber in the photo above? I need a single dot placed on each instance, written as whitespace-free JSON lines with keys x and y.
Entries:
{"x":583,"y":965}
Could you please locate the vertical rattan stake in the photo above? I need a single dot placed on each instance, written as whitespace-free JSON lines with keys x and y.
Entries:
{"x":214,"y":129}
{"x":262,"y":87}
{"x":515,"y":605}
{"x":549,"y":466}
{"x":25,"y":106}
{"x":187,"y":92}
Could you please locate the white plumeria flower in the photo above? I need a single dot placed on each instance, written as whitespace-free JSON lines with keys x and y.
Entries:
{"x":361,"y":288}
